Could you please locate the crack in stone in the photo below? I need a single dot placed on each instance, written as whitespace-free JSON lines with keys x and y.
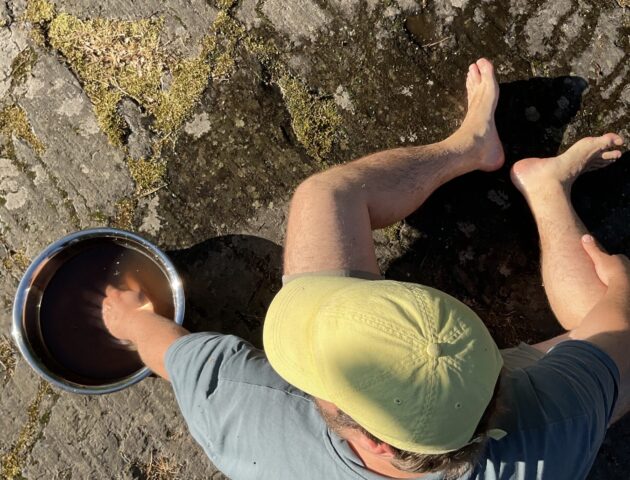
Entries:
{"x":37,"y":419}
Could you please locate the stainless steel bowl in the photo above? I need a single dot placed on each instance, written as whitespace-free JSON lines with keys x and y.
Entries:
{"x":29,"y":295}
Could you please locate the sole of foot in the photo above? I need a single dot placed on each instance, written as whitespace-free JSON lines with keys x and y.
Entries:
{"x":478,"y":130}
{"x":585,"y":155}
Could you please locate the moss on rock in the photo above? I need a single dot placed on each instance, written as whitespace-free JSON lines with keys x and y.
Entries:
{"x":22,"y":65}
{"x":37,"y":417}
{"x":314,"y":119}
{"x":16,"y":260}
{"x":14,"y":122}
{"x":39,"y":11}
{"x":125,"y":210}
{"x":146,"y":173}
{"x":113,"y":58}
{"x":7,"y":358}
{"x":392,"y":232}
{"x":120,"y":58}
{"x":190,"y":77}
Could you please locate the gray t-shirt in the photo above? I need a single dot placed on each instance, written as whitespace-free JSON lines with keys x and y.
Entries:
{"x":254,"y":425}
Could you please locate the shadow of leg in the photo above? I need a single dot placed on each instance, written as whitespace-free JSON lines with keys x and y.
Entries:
{"x":229,"y":282}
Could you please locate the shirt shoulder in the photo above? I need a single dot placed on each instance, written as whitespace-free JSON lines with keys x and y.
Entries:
{"x":250,"y":422}
{"x":555,"y":413}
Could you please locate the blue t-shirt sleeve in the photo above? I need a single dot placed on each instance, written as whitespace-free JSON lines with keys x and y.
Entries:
{"x":218,"y":381}
{"x":589,"y":373}
{"x":194,"y":364}
{"x":249,"y":421}
{"x":556,"y":415}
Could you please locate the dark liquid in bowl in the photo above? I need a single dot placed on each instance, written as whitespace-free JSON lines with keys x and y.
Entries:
{"x":71,"y":324}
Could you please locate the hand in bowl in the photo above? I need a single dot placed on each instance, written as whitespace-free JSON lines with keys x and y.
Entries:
{"x":120,"y":306}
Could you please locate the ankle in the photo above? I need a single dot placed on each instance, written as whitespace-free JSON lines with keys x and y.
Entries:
{"x":546,"y":190}
{"x":463,"y":142}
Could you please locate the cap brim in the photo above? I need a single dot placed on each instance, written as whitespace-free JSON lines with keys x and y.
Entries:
{"x":289,"y":330}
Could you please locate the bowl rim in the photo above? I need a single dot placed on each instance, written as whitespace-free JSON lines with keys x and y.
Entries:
{"x":17,"y":330}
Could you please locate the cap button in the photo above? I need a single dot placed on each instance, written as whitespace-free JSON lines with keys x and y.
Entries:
{"x":434,"y":350}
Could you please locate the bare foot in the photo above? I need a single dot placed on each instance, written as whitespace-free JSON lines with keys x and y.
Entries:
{"x":478,"y":131}
{"x":531,"y":174}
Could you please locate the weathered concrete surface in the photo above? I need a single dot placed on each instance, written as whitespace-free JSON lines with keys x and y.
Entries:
{"x":368,"y":75}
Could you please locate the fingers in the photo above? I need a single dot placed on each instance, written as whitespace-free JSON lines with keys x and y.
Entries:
{"x":148,"y":306}
{"x":593,"y":249}
{"x":609,"y":268}
{"x":111,"y":291}
{"x":132,"y":283}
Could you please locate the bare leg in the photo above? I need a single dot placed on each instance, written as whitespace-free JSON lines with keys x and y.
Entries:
{"x":571,"y":283}
{"x":333,"y":213}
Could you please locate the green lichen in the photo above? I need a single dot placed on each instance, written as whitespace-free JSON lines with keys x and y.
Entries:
{"x":14,"y":122}
{"x":190,"y":77}
{"x":39,"y":11}
{"x":118,"y":58}
{"x":113,"y":58}
{"x":315,"y":120}
{"x":226,"y":4}
{"x":16,"y":260}
{"x":392,"y":232}
{"x":37,"y":418}
{"x":7,"y":358}
{"x":159,"y":467}
{"x":125,"y":211}
{"x":99,"y":217}
{"x":225,"y":35}
{"x":146,"y":173}
{"x":22,"y":65}
{"x":269,"y":55}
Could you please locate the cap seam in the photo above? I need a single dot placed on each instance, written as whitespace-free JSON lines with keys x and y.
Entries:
{"x":427,"y":404}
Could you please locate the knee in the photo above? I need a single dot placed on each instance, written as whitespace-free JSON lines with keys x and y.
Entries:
{"x":319,"y":185}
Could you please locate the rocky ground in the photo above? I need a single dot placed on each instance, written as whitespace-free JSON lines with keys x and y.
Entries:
{"x":191,"y":121}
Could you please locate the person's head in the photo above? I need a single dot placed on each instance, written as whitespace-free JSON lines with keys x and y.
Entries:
{"x":451,"y":464}
{"x":408,"y":365}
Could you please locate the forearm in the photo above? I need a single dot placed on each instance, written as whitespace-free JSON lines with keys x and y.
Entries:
{"x":152,"y":335}
{"x":391,"y":184}
{"x":607,"y":325}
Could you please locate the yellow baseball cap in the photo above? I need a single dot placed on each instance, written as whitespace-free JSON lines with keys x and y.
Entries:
{"x":412,"y":365}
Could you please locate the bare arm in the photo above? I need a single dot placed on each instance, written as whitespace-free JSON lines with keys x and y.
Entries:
{"x":129,"y":316}
{"x":607,"y":325}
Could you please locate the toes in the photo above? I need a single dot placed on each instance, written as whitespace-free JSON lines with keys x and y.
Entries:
{"x":474,"y":74}
{"x":611,"y":155}
{"x":485,"y":67}
{"x":606,"y":141}
{"x":611,"y":139}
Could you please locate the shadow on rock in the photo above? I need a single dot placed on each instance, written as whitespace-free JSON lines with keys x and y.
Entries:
{"x":229,"y":282}
{"x":475,"y":237}
{"x":532,"y":114}
{"x":601,"y":200}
